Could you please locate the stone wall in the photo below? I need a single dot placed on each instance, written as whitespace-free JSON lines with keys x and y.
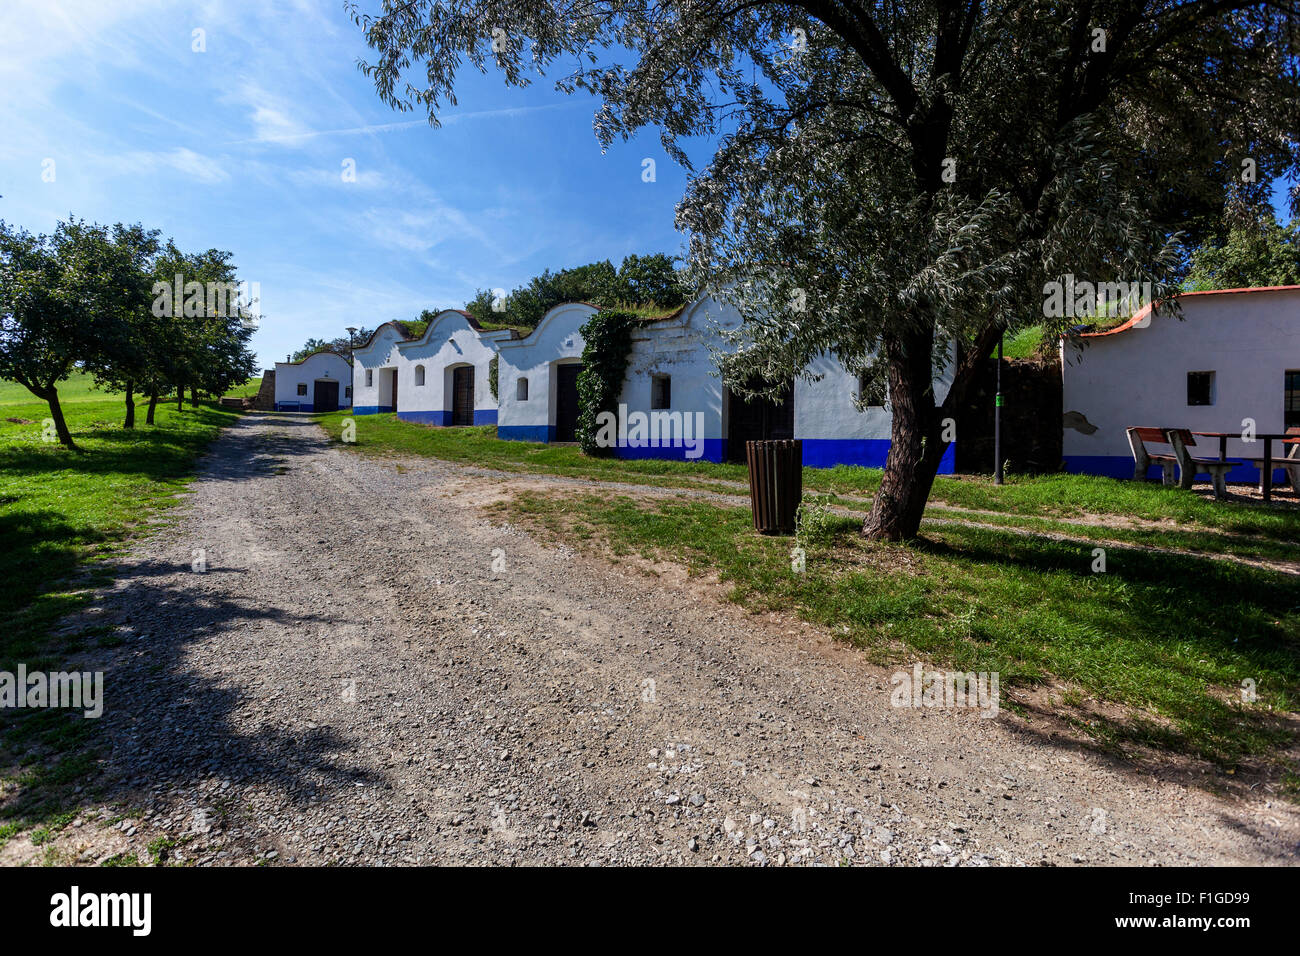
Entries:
{"x":1031,"y":418}
{"x":264,"y":401}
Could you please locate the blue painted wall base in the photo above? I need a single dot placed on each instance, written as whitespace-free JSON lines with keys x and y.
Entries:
{"x":714,"y":450}
{"x":542,"y":433}
{"x":482,"y":416}
{"x":862,"y":452}
{"x":1121,"y":466}
{"x":817,"y":452}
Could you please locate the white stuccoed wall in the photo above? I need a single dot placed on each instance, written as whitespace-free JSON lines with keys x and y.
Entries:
{"x":682,"y":347}
{"x":321,"y":365}
{"x":379,"y":355}
{"x":556,"y":339}
{"x":1138,"y":376}
{"x":449,"y":341}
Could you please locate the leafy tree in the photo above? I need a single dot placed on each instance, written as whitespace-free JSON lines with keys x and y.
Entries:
{"x":339,"y":345}
{"x":650,"y":279}
{"x":481,"y":307}
{"x":314,"y":345}
{"x":640,"y":280}
{"x":896,"y":183}
{"x":65,"y":298}
{"x":1258,"y":252}
{"x":202,"y":342}
{"x":123,"y":363}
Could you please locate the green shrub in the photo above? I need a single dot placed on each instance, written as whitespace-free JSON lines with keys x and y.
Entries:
{"x":608,"y":337}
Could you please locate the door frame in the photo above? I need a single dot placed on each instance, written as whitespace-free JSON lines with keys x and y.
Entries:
{"x":735,"y":448}
{"x":454,"y":371}
{"x":338,"y":393}
{"x":554,"y":397}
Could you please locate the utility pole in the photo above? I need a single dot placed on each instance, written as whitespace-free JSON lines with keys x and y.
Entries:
{"x":997,"y":420}
{"x":352,"y":374}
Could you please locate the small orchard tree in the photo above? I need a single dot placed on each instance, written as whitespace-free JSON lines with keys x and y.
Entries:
{"x":896,"y":183}
{"x":204,"y":329}
{"x":65,"y":299}
{"x":122,"y":363}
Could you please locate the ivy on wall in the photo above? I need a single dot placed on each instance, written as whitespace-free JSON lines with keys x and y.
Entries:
{"x":492,"y":375}
{"x":608,"y":337}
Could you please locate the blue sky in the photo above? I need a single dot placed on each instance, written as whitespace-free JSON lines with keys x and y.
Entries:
{"x":242,"y":147}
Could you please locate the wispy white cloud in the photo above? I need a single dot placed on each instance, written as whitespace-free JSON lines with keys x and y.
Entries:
{"x":303,"y":135}
{"x":367,"y":179}
{"x":191,"y":165}
{"x":271,"y":115}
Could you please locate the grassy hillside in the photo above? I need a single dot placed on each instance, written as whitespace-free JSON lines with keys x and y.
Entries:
{"x":247,"y":390}
{"x":80,"y":387}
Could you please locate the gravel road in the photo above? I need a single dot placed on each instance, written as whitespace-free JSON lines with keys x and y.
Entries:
{"x":369,"y":672}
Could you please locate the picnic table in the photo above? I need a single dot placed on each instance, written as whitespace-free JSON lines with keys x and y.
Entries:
{"x":1181,"y":444}
{"x":1265,"y":463}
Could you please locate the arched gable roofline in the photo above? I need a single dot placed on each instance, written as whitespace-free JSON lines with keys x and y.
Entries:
{"x":1137,"y":321}
{"x":551,"y":315}
{"x":694,"y":314}
{"x":462,"y":319}
{"x":395,"y":326}
{"x":308,"y":358}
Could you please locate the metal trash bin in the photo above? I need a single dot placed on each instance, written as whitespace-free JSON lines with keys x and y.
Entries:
{"x":775,"y":483}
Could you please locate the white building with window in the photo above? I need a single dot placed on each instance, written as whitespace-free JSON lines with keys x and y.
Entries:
{"x":443,"y":376}
{"x":673,"y":403}
{"x":375,"y":379}
{"x":317,"y":383}
{"x":537,"y":390}
{"x":1231,"y":363}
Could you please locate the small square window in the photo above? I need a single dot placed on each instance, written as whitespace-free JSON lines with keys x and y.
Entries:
{"x":1200,"y":388}
{"x":661,"y":391}
{"x":370,"y":378}
{"x":302,"y":388}
{"x":521,"y":390}
{"x":347,"y":391}
{"x":871,"y":393}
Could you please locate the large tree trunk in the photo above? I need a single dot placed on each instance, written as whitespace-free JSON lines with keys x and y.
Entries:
{"x":194,"y":397}
{"x":51,"y":396}
{"x":917,"y":431}
{"x":180,"y":397}
{"x":130,"y":405}
{"x":153,"y":403}
{"x":914,"y":448}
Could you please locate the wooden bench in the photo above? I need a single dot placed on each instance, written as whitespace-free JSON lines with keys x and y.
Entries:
{"x":1179,"y":440}
{"x":1290,"y":460}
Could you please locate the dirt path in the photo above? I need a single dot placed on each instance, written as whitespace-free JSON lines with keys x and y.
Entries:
{"x":351,"y":681}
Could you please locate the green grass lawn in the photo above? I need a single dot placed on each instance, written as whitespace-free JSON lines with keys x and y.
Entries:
{"x":61,"y":512}
{"x":61,"y":509}
{"x":386,"y":434}
{"x":1166,"y":639}
{"x":1049,"y":497}
{"x":1023,"y":344}
{"x":80,"y":387}
{"x":247,"y":390}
